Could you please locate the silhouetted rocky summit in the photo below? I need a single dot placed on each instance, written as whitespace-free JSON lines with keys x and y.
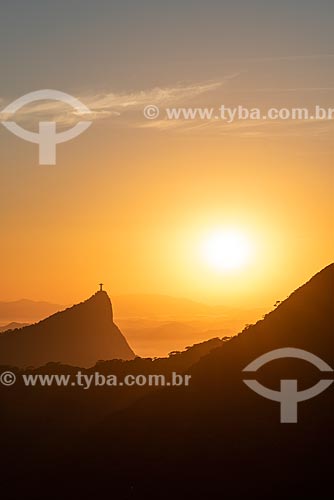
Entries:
{"x":80,"y":335}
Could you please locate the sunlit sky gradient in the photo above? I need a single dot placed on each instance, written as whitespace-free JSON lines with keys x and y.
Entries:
{"x":130,"y":201}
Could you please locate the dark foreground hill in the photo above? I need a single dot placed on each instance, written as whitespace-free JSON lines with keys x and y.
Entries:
{"x":213,"y":439}
{"x":217,"y":438}
{"x":81,"y":335}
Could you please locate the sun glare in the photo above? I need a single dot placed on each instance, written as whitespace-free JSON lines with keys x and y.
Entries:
{"x":226,"y":249}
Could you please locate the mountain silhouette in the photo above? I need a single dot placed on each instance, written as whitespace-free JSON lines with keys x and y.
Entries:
{"x":215,"y":438}
{"x":81,"y":335}
{"x":305,"y":320}
{"x":219,"y":438}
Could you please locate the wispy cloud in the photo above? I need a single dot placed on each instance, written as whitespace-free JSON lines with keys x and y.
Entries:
{"x":292,"y":58}
{"x":111,"y":104}
{"x":245,"y":128}
{"x":283,"y":89}
{"x":127,"y":110}
{"x":265,"y":128}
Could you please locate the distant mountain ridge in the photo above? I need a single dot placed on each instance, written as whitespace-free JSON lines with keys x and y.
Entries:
{"x":81,"y":335}
{"x":153,"y":324}
{"x":27,"y":311}
{"x":170,"y":308}
{"x":12,"y":326}
{"x":153,"y":306}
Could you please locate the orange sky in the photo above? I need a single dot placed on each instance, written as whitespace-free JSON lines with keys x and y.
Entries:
{"x":134,"y":217}
{"x":130,"y":201}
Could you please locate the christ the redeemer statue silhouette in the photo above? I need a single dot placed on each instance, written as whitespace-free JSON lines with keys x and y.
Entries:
{"x":101,"y":287}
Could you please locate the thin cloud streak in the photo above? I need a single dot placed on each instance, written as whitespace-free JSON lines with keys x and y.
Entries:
{"x":112,"y":104}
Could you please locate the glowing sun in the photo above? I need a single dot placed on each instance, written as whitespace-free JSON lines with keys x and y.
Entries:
{"x":226,"y":249}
